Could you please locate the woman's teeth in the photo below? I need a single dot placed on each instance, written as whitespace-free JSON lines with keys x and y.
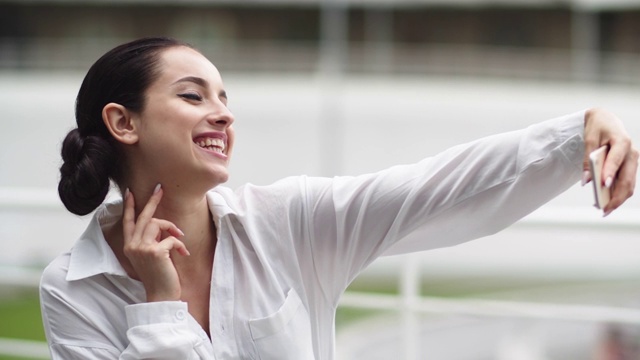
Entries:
{"x":213,"y":144}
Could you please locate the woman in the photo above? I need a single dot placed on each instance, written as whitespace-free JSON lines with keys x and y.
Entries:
{"x":183,"y":268}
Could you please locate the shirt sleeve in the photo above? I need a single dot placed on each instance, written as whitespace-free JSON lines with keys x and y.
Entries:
{"x":464,"y":193}
{"x":81,"y":322}
{"x":153,"y":334}
{"x":159,"y":330}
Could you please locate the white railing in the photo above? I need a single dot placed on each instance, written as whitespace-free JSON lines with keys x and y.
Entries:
{"x":24,"y":348}
{"x":408,"y":302}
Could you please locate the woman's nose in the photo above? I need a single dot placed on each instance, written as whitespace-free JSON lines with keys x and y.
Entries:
{"x":221,"y":117}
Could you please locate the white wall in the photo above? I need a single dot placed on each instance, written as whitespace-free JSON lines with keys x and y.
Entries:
{"x":380,"y":122}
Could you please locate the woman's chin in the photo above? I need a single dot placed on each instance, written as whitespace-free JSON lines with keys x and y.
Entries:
{"x":218,"y":178}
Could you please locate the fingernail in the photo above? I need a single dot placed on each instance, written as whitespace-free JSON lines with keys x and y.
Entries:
{"x":585,"y":177}
{"x":608,"y":182}
{"x":126,"y":194}
{"x":157,"y":189}
{"x":181,"y":233}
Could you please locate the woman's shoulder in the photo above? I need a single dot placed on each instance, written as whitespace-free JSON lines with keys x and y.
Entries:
{"x":284,"y":186}
{"x":292,"y":191}
{"x":54,"y":275}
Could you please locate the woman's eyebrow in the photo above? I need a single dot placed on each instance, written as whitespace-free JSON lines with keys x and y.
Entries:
{"x":194,"y":79}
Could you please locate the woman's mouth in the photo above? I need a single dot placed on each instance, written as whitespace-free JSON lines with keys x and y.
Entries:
{"x":212,"y":144}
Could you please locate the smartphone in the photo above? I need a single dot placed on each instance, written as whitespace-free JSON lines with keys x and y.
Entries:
{"x":601,"y":193}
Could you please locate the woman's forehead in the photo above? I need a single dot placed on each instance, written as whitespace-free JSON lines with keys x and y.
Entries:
{"x":180,"y":62}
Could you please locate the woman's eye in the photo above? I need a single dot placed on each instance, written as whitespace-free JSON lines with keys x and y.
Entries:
{"x":191,"y":96}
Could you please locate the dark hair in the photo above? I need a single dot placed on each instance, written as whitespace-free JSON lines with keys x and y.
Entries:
{"x":91,"y":156}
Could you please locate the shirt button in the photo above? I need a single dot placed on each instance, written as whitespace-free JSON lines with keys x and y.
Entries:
{"x":180,"y":315}
{"x":573,"y":145}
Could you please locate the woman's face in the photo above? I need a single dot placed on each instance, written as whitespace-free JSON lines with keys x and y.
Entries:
{"x":185,"y":133}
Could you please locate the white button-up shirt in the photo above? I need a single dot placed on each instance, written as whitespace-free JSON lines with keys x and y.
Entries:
{"x":286,"y":252}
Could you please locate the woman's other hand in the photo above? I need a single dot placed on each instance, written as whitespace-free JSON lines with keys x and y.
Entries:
{"x":150,"y":253}
{"x":621,"y":164}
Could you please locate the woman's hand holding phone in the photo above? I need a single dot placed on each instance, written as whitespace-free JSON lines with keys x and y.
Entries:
{"x":620,"y":163}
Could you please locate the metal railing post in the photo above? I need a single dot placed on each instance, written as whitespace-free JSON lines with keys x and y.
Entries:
{"x":410,"y":294}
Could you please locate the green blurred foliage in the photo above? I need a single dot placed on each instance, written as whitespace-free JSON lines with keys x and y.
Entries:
{"x":21,"y":317}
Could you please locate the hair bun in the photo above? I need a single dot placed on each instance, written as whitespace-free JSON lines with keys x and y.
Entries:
{"x":84,"y":174}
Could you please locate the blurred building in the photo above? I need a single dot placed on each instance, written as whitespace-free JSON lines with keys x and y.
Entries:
{"x":593,"y":40}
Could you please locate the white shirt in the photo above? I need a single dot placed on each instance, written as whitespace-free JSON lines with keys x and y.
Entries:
{"x":286,"y":252}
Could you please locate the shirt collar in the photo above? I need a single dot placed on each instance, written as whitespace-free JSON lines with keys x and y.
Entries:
{"x":91,"y":255}
{"x":222,"y":202}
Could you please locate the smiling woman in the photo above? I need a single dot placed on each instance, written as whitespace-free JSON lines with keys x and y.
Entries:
{"x":184,"y":268}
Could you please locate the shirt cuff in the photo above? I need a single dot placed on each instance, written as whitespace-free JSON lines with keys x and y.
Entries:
{"x":572,"y":129}
{"x":175,"y":312}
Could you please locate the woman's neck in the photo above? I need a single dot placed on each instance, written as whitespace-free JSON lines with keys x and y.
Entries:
{"x":189,"y":213}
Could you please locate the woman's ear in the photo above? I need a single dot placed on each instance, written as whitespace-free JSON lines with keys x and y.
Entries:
{"x":120,"y":123}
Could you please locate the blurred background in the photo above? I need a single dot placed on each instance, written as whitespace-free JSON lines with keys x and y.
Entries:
{"x":333,"y":87}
